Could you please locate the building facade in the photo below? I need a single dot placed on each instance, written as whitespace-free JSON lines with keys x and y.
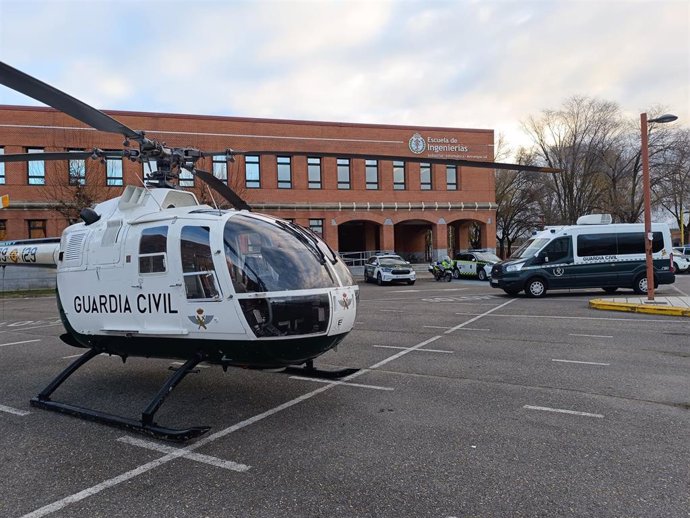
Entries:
{"x":298,"y":170}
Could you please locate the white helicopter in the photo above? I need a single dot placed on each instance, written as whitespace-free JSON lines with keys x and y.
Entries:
{"x":155,"y":274}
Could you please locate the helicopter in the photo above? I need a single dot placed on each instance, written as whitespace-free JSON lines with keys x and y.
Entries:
{"x":154,"y":273}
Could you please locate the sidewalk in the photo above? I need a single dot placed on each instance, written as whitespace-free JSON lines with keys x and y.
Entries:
{"x":673,"y":306}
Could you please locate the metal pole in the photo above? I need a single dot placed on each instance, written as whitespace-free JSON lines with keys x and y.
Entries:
{"x":647,"y":208}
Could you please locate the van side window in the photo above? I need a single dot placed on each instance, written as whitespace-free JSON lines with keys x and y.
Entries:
{"x":152,"y":250}
{"x":633,"y":242}
{"x":197,"y":264}
{"x":557,"y":250}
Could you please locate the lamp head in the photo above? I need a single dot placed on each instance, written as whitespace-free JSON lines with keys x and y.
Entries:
{"x":666,"y":117}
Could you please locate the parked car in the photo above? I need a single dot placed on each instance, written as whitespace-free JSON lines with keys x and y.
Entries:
{"x":388,"y":268}
{"x":681,"y":261}
{"x":683,"y":249}
{"x":474,"y":264}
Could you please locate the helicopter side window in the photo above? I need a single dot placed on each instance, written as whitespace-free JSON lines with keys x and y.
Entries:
{"x":152,"y":250}
{"x":197,"y":264}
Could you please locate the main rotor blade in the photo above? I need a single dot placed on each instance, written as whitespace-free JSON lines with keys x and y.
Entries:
{"x":24,"y":83}
{"x":60,"y":155}
{"x":427,"y":160}
{"x":222,"y":189}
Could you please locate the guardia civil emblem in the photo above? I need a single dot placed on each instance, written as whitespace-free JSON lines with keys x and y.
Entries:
{"x":417,"y":144}
{"x":558,"y":271}
{"x":345,"y":301}
{"x":200,"y":319}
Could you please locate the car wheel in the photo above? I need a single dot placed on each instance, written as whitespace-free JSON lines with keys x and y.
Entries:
{"x":536,"y":288}
{"x":379,"y":280}
{"x":675,"y":268}
{"x":481,"y":274}
{"x":366,"y":277}
{"x":640,"y":284}
{"x":456,"y":273}
{"x":610,"y":289}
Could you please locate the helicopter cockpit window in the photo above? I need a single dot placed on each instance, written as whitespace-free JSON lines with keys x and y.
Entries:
{"x":152,"y":250}
{"x":263,"y":256}
{"x":197,"y":264}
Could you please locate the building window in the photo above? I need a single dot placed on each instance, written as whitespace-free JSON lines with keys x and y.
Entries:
{"x":284,"y":172}
{"x":76,"y":170}
{"x":451,"y":178}
{"x":37,"y":228}
{"x":425,"y":176}
{"x":220,"y":167}
{"x":316,"y":226}
{"x":314,"y":172}
{"x":252,"y":172}
{"x":3,"y":229}
{"x":36,"y":168}
{"x":372,"y":174}
{"x":186,"y":178}
{"x":398,"y":175}
{"x":113,"y":171}
{"x":2,"y":167}
{"x":343,"y":173}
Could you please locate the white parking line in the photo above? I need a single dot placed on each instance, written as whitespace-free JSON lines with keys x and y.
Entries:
{"x":22,"y":342}
{"x":472,"y":329}
{"x":561,"y":411}
{"x":609,"y":319}
{"x":199,"y":457}
{"x":391,"y":310}
{"x":575,"y":361}
{"x":424,"y":350}
{"x":479,"y":316}
{"x":590,"y":336}
{"x":10,"y":410}
{"x":336,"y":382}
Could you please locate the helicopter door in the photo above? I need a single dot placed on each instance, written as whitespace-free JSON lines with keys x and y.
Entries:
{"x":206,"y":311}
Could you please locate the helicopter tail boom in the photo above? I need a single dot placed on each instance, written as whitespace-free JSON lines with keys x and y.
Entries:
{"x":30,"y":252}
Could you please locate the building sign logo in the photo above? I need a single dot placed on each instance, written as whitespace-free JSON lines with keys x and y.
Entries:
{"x":417,"y":144}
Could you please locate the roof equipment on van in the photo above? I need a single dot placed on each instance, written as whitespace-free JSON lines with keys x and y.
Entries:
{"x":595,"y":219}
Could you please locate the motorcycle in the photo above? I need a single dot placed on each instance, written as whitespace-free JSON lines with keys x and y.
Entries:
{"x":440,"y":272}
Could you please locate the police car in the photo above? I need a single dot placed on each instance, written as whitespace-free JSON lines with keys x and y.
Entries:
{"x":474,"y":264}
{"x":681,"y":261}
{"x":388,"y":268}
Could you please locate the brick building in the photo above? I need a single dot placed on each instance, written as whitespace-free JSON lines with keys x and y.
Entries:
{"x":417,"y":209}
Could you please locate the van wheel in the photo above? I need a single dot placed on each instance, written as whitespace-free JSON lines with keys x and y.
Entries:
{"x":640,"y":284}
{"x":610,"y":289}
{"x":481,"y":274}
{"x":536,"y":288}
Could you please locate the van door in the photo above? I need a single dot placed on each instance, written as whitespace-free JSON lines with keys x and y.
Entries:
{"x":557,"y":262}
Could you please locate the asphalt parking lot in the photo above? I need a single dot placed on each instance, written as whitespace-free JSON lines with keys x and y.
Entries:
{"x":467,"y":403}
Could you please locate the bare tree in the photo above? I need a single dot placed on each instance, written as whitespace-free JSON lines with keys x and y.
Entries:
{"x":572,"y":139}
{"x":517,"y":212}
{"x":672,"y":190}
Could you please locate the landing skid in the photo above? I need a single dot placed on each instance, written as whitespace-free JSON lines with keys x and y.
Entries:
{"x":145,"y":426}
{"x":309,"y":371}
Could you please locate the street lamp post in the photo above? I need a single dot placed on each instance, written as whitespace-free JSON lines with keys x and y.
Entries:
{"x":646,"y":185}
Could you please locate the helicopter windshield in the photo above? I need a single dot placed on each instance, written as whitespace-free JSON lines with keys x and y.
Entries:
{"x":264,"y":257}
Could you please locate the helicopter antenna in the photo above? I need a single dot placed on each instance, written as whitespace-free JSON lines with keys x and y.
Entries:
{"x":212,"y":198}
{"x":149,"y":191}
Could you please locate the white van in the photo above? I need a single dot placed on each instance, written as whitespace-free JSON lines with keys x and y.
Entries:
{"x":607,"y":256}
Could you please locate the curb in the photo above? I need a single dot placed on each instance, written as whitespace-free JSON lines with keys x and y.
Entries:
{"x":639,"y":308}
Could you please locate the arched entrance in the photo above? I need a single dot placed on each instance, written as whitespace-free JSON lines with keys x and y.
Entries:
{"x":358,"y":236}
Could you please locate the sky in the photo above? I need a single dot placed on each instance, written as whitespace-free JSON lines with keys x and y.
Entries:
{"x":461,"y":64}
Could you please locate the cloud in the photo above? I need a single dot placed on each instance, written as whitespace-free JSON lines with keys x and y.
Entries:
{"x":487,"y":64}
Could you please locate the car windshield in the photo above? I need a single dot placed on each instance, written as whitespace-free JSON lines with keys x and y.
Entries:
{"x":529,"y":248}
{"x":392,"y":261}
{"x":490,"y":258}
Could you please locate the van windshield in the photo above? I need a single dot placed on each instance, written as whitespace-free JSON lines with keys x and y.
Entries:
{"x":529,"y":248}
